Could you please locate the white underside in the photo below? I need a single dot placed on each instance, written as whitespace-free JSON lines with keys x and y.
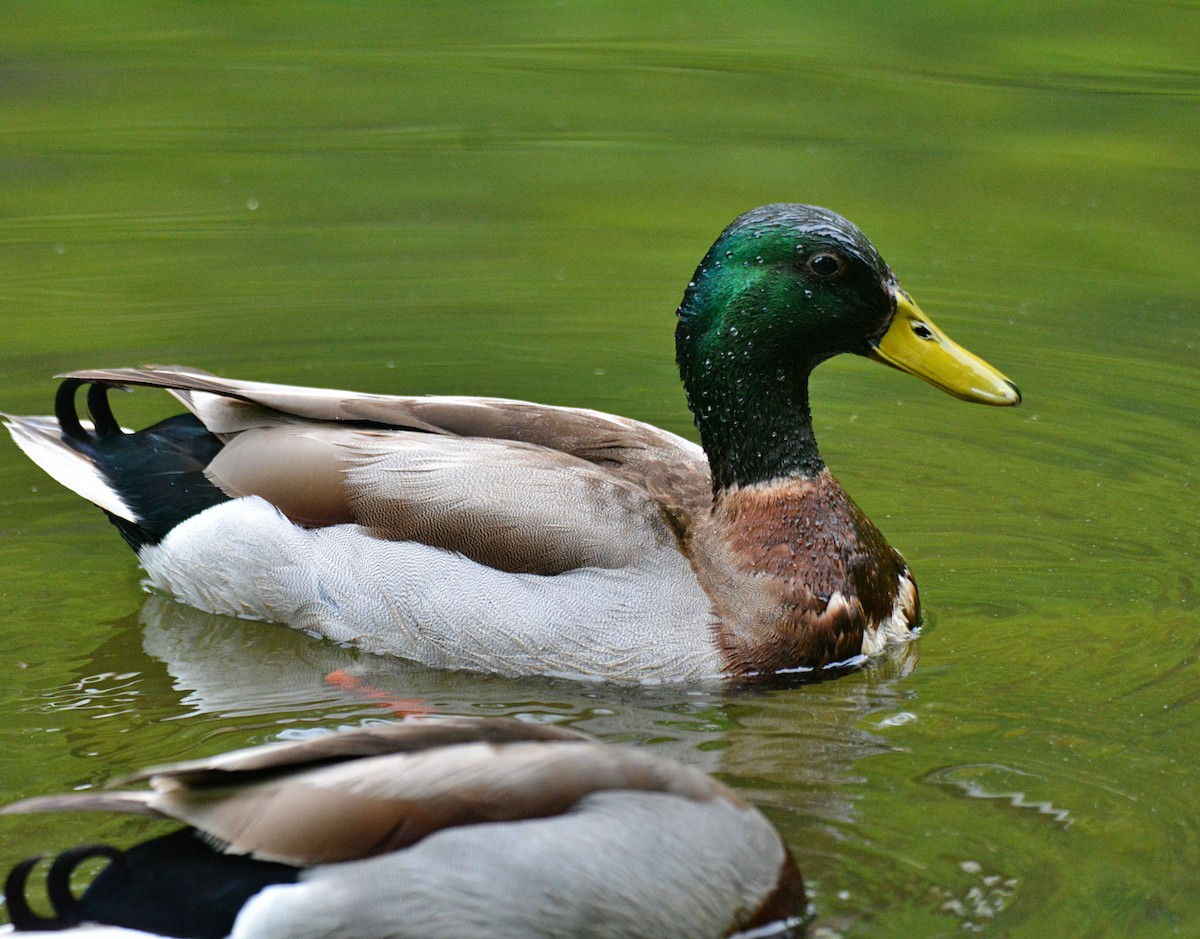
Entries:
{"x":244,"y":558}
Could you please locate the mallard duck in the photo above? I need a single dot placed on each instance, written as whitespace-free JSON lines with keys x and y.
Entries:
{"x":446,"y":828}
{"x":518,"y":538}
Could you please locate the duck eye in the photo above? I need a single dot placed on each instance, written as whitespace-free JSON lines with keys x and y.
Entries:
{"x":825,"y":265}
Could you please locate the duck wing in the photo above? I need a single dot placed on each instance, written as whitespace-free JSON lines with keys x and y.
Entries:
{"x":633,"y":449}
{"x":369,"y":792}
{"x":519,"y":486}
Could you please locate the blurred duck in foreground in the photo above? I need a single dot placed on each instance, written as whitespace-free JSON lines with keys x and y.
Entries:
{"x":429,"y":829}
{"x":517,"y":538}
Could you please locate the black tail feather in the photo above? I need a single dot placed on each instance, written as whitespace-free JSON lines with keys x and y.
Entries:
{"x":58,"y":881}
{"x":158,"y":472}
{"x":20,"y":914}
{"x":67,"y":911}
{"x":65,"y":413}
{"x":175,"y":885}
{"x":105,"y":425}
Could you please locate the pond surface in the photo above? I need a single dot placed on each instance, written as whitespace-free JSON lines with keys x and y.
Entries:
{"x":508,"y":199}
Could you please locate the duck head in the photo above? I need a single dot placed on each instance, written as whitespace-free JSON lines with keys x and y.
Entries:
{"x":784,"y":288}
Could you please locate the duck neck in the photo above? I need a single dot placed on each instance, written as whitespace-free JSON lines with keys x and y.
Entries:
{"x":755,"y":427}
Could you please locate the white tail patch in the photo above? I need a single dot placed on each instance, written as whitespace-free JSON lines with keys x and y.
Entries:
{"x":41,"y":440}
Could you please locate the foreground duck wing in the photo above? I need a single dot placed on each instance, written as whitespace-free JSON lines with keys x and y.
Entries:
{"x":369,"y":793}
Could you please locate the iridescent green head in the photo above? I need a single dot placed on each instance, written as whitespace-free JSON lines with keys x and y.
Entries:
{"x":784,"y":288}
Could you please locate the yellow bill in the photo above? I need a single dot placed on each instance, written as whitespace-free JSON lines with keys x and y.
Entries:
{"x":914,"y":345}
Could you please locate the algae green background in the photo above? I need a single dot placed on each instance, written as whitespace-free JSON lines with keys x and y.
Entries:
{"x":508,"y":198}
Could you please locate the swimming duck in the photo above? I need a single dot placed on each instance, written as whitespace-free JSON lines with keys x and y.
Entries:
{"x":518,"y":538}
{"x":448,"y":828}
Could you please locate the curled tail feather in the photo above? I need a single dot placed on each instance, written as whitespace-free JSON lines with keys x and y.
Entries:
{"x":147,"y":481}
{"x":67,"y":911}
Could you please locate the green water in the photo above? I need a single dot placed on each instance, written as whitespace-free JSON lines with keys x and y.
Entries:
{"x":508,"y":198}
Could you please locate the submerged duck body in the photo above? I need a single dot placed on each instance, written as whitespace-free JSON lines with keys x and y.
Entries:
{"x":444,"y":828}
{"x":518,"y":538}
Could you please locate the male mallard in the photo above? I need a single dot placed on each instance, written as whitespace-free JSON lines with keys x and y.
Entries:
{"x":519,"y":538}
{"x":444,"y":828}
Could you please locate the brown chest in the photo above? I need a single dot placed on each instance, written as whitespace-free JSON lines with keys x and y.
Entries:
{"x":796,"y":573}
